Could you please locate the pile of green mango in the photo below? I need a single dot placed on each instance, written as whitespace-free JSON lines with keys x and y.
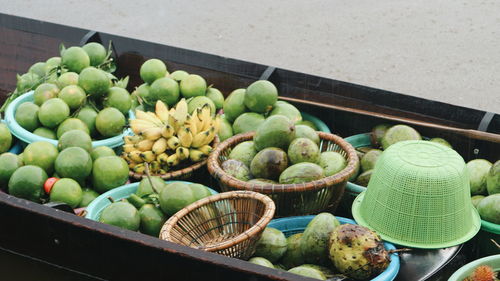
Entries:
{"x":282,"y":152}
{"x":485,"y":187}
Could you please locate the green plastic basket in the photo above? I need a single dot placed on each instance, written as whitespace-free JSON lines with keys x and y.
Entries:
{"x":466,"y":270}
{"x":419,"y":196}
{"x":322,"y":127}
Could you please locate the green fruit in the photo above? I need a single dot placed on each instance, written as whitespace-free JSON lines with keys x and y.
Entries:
{"x":369,"y":159}
{"x":73,"y":95}
{"x":135,"y":200}
{"x":101,"y":151}
{"x":45,"y":132}
{"x":303,"y":150}
{"x":244,"y":152}
{"x":121,"y":214}
{"x":332,"y":162}
{"x":301,"y":173}
{"x":233,"y":105}
{"x":71,"y":124}
{"x":378,"y":133}
{"x":216,"y":96}
{"x":118,"y":98}
{"x":178,"y":75}
{"x":166,"y":90}
{"x":293,"y":255}
{"x":399,"y":133}
{"x":94,"y":82}
{"x":27,"y":116}
{"x":110,"y":122}
{"x":109,"y":172}
{"x":27,"y":81}
{"x":272,"y":244}
{"x":45,"y":92}
{"x":152,"y":220}
{"x":199,"y":191}
{"x":74,"y":163}
{"x":288,"y":110}
{"x":489,"y":208}
{"x":476,"y":199}
{"x":97,"y":53}
{"x":493,"y":179}
{"x":478,"y":171}
{"x":66,"y":79}
{"x":275,"y":131}
{"x":236,"y":169}
{"x":53,"y":61}
{"x":308,"y":272}
{"x":200,"y":101}
{"x":303,"y":131}
{"x":175,"y":196}
{"x":5,"y":138}
{"x":53,"y":112}
{"x":193,"y":85}
{"x":67,"y":191}
{"x":144,"y":92}
{"x":314,"y":241}
{"x":9,"y":163}
{"x":75,"y":138}
{"x":42,"y":154}
{"x":27,"y":182}
{"x":225,"y":130}
{"x":261,"y":261}
{"x":269,"y":163}
{"x":261,"y":96}
{"x":152,"y":70}
{"x":247,"y":122}
{"x":308,"y":124}
{"x":88,"y":195}
{"x":38,"y":68}
{"x":88,"y":115}
{"x":364,"y":178}
{"x":260,"y":181}
{"x":75,"y":59}
{"x":441,"y":141}
{"x":145,"y":188}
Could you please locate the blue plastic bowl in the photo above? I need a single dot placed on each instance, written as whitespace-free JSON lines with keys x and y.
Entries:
{"x":28,"y":137}
{"x":95,"y":208}
{"x":293,"y":225}
{"x":316,"y":121}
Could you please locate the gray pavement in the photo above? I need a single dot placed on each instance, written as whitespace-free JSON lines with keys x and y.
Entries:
{"x":446,"y":50}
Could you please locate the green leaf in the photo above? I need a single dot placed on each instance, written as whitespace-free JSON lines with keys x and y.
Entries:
{"x":122,"y":83}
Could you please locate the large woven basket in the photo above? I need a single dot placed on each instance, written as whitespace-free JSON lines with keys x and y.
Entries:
{"x":228,"y":223}
{"x":181,"y":174}
{"x":291,"y":199}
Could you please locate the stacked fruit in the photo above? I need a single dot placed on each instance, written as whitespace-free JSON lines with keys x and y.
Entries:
{"x":74,"y":92}
{"x":5,"y":138}
{"x":168,"y":139}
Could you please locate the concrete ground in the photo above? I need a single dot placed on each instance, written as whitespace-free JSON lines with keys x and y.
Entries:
{"x":446,"y":50}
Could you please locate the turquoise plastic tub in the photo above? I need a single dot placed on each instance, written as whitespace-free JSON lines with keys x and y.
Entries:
{"x":466,"y":270}
{"x":316,"y":121}
{"x":352,"y":190}
{"x":28,"y":137}
{"x":293,"y":225}
{"x":95,"y":208}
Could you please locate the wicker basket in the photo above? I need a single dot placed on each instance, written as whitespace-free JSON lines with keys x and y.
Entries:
{"x":229,"y":223}
{"x":181,"y":174}
{"x":291,"y":199}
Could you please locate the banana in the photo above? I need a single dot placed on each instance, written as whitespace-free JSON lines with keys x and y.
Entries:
{"x":174,"y":122}
{"x":132,"y":165}
{"x":216,"y":123}
{"x":162,"y":158}
{"x":206,"y":149}
{"x":140,"y":168}
{"x":181,"y":111}
{"x":196,"y":156}
{"x":154,"y":167}
{"x":162,"y":171}
{"x":148,"y":156}
{"x":132,"y":139}
{"x":182,"y":153}
{"x":205,"y":117}
{"x":149,"y":116}
{"x":167,"y":131}
{"x":125,"y":156}
{"x":159,"y":146}
{"x":185,"y":136}
{"x":151,"y":134}
{"x":144,"y":145}
{"x":173,"y":142}
{"x":199,"y":139}
{"x":172,"y":160}
{"x":135,"y":156}
{"x":191,"y":124}
{"x":161,"y":111}
{"x":210,"y":137}
{"x":128,"y":148}
{"x":139,"y":125}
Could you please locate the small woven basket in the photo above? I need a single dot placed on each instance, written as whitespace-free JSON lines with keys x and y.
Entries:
{"x":228,"y":223}
{"x":291,"y":199}
{"x":181,"y":174}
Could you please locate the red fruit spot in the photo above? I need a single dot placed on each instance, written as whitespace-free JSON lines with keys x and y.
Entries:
{"x":49,"y":183}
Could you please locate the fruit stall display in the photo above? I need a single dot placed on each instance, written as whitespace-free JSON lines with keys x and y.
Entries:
{"x":253,"y":125}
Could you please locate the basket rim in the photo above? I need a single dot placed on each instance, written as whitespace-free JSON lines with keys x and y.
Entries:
{"x":247,"y":234}
{"x":177,"y":173}
{"x":216,"y":170}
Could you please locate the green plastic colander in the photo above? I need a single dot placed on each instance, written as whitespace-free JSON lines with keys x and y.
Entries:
{"x":419,"y":196}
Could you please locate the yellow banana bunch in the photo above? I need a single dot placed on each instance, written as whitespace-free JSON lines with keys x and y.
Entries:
{"x":185,"y":136}
{"x":161,"y":111}
{"x":159,"y":146}
{"x":167,"y":131}
{"x":144,"y":145}
{"x":172,"y":160}
{"x":148,"y":156}
{"x":182,"y":153}
{"x":196,"y":155}
{"x":173,"y":142}
{"x":151,"y":133}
